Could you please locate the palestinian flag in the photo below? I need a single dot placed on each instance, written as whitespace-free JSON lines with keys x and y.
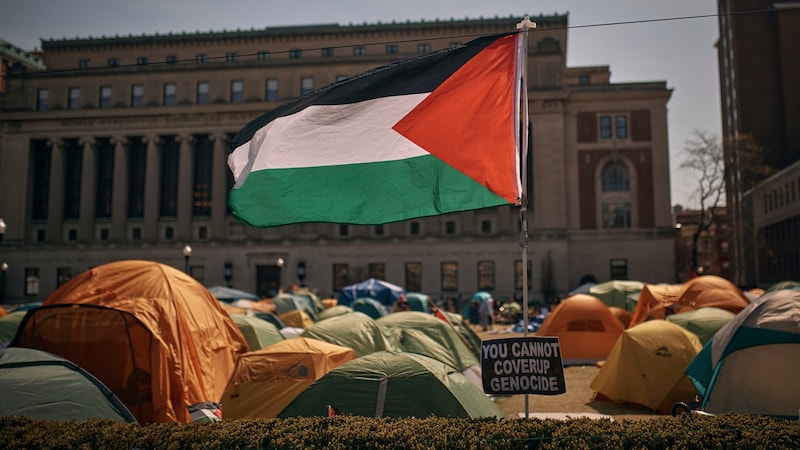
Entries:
{"x":420,"y":137}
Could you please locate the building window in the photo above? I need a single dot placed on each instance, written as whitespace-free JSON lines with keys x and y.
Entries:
{"x":341,"y":276}
{"x":605,"y":127}
{"x":169,"y":233}
{"x":105,"y":234}
{"x":202,"y":93}
{"x":83,"y":64}
{"x":74,"y":100}
{"x":72,"y":235}
{"x":272,"y":90}
{"x":518,"y":280}
{"x":63,"y":274}
{"x":295,"y":54}
{"x":168,"y":188}
{"x":423,"y":48}
{"x":379,"y":231}
{"x":203,"y":168}
{"x":616,"y":215}
{"x":414,"y":228}
{"x":326,"y":52}
{"x":618,"y":269}
{"x":306,"y":85}
{"x":200,"y":58}
{"x":137,"y":161}
{"x":41,"y":235}
{"x":113,"y":62}
{"x":377,"y":271}
{"x":237,"y":91}
{"x":622,"y":127}
{"x":450,"y":227}
{"x":231,"y":57}
{"x":359,"y":51}
{"x":449,"y":276}
{"x":136,"y":234}
{"x":392,"y":49}
{"x":454,"y":44}
{"x":262,"y":56}
{"x":171,"y":59}
{"x":137,"y":95}
{"x":31,"y":281}
{"x":615,"y":177}
{"x":141,"y":61}
{"x":202,"y":233}
{"x":104,"y":179}
{"x":42,"y":99}
{"x":413,"y":277}
{"x":486,"y":275}
{"x":344,"y":230}
{"x":486,"y":227}
{"x":584,"y":80}
{"x":105,"y":97}
{"x":170,"y":94}
{"x":73,"y":164}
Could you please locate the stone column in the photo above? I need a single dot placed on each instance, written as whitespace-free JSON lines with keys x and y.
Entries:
{"x":185,"y":189}
{"x":152,"y":188}
{"x":219,"y":184}
{"x":119,"y":196}
{"x":55,"y":202}
{"x":88,"y":189}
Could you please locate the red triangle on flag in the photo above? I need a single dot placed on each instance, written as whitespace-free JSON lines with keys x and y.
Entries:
{"x":468,"y":121}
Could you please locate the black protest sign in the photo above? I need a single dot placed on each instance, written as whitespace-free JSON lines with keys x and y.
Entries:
{"x":528,"y":365}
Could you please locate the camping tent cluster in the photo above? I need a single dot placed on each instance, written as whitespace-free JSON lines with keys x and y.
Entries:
{"x":705,"y":339}
{"x":144,"y":342}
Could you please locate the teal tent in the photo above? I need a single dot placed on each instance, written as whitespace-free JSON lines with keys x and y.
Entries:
{"x":751,"y":366}
{"x":418,"y":301}
{"x":369,"y":306}
{"x":228,"y":295}
{"x":257,"y":332}
{"x":44,"y":386}
{"x":357,"y":331}
{"x":385,"y":384}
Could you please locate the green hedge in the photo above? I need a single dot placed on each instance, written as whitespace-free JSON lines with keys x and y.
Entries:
{"x":345,"y":432}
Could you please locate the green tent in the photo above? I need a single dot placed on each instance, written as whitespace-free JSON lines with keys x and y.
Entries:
{"x":357,"y":331}
{"x":418,"y":301}
{"x":427,"y":335}
{"x":620,"y":293}
{"x":704,"y":322}
{"x":285,"y":303}
{"x":44,"y":386}
{"x":257,"y":332}
{"x":9,"y":325}
{"x":385,"y":384}
{"x":788,"y":284}
{"x":334,"y":311}
{"x":462,"y":327}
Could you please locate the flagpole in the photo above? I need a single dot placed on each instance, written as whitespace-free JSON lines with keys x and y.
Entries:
{"x":524,"y":27}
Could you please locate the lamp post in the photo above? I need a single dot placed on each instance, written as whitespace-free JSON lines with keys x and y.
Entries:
{"x":279,"y":263}
{"x":3,"y":270}
{"x":227,"y":273}
{"x":187,"y":252}
{"x":2,"y":229}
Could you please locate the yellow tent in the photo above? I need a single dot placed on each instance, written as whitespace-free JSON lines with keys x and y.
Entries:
{"x":151,"y":333}
{"x":267,"y":380}
{"x":646,"y":366}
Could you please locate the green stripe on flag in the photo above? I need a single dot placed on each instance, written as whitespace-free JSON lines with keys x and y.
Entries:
{"x":364,"y":194}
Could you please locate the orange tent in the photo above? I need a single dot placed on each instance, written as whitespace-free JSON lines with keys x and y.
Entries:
{"x":585,"y":327}
{"x":622,"y":315}
{"x":267,"y":380}
{"x":151,"y":333}
{"x":659,"y":301}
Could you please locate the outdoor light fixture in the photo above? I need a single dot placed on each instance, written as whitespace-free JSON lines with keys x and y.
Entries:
{"x":187,"y":252}
{"x":227,"y":273}
{"x":2,"y":229}
{"x":3,"y":270}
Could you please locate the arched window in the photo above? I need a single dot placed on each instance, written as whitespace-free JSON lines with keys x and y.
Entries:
{"x":615,"y":177}
{"x":616,"y":198}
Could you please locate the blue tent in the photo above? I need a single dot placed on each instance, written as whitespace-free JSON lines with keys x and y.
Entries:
{"x":384,"y":292}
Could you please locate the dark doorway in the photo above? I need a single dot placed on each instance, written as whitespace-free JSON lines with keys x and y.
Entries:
{"x":268,"y":280}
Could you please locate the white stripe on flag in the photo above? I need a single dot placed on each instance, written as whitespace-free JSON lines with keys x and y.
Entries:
{"x":330,"y":135}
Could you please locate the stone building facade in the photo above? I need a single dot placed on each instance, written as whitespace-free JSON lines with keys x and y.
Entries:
{"x":117,"y":151}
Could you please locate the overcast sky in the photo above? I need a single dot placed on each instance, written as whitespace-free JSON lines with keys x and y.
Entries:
{"x":680,"y":52}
